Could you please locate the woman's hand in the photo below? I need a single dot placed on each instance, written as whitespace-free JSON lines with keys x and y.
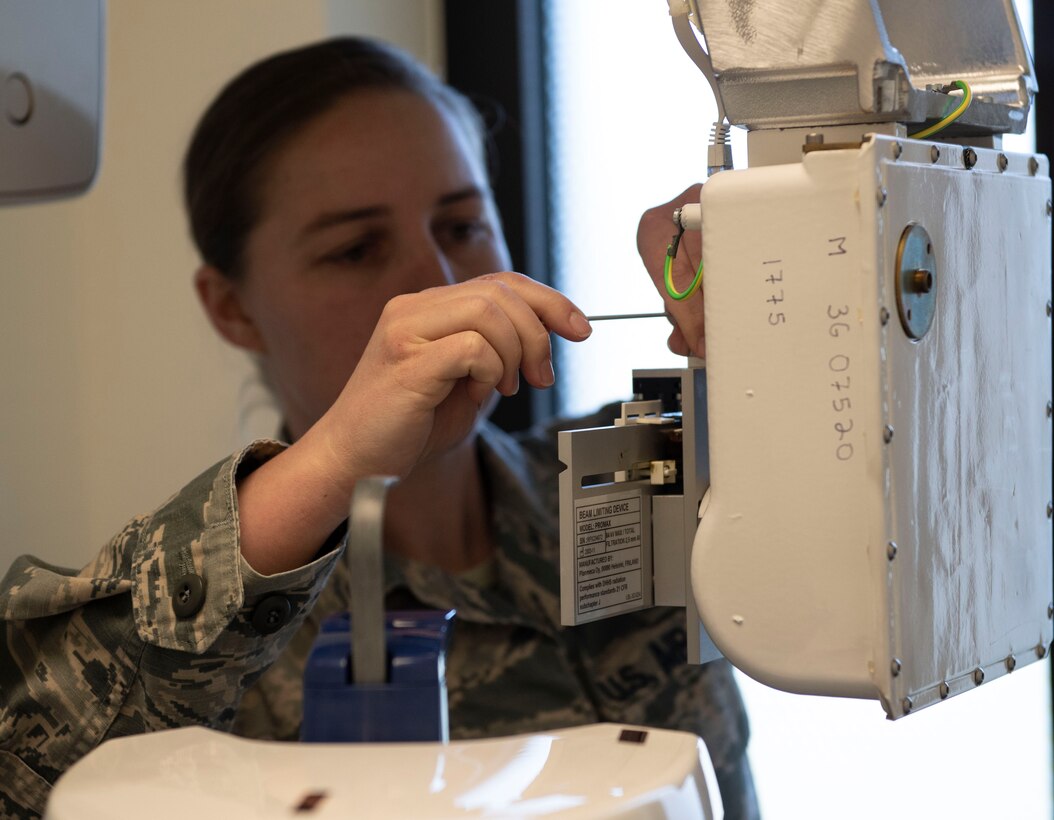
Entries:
{"x":653,"y":236}
{"x":431,"y":366}
{"x":433,"y":361}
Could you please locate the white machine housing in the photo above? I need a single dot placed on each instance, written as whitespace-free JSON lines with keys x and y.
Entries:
{"x":879,"y":520}
{"x":877,"y":410}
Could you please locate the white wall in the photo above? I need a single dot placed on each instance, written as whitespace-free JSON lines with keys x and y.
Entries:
{"x":115,"y":389}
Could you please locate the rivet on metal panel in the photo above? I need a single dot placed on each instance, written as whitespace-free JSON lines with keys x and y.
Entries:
{"x":883,"y":317}
{"x":1033,"y":166}
{"x":1002,"y":162}
{"x":898,"y":149}
{"x":935,"y":153}
{"x":887,"y":434}
{"x":1011,"y":663}
{"x":891,"y":550}
{"x":944,"y":689}
{"x":1041,"y":651}
{"x":906,"y":705}
{"x":969,"y":158}
{"x":978,"y":676}
{"x":881,"y":195}
{"x":894,"y":667}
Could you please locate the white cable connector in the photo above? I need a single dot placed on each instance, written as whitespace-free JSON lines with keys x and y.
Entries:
{"x":690,"y":216}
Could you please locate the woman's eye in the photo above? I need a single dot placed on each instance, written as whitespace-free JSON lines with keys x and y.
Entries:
{"x":464,"y":231}
{"x":356,"y":253}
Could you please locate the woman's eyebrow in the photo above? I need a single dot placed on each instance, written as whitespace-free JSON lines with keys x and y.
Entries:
{"x":471,"y":192}
{"x":331,"y":218}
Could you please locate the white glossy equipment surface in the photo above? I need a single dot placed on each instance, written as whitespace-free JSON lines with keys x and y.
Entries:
{"x":581,"y":772}
{"x":878,"y":522}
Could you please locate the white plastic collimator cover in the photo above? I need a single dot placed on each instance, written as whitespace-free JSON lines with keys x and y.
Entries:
{"x":878,"y":522}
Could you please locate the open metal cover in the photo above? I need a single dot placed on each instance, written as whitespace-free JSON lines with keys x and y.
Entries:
{"x":829,"y":62}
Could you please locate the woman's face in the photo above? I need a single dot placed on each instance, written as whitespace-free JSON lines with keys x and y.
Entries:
{"x":382,"y":194}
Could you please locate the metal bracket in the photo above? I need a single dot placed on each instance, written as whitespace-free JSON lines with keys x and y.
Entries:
{"x":365,"y":560}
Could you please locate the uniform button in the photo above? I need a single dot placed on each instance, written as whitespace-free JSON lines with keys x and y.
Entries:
{"x":271,"y":614}
{"x":188,"y":596}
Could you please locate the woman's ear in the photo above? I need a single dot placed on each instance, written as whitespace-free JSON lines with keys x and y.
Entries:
{"x":222,"y":301}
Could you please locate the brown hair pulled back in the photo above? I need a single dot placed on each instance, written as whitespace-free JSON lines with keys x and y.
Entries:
{"x":263,"y":107}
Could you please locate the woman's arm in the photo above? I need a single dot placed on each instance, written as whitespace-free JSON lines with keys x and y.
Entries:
{"x":128,"y":644}
{"x":431,"y":365}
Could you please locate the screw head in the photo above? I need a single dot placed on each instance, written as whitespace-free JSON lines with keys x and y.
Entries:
{"x":1050,"y":611}
{"x":894,"y":667}
{"x":887,"y":433}
{"x":1048,"y":309}
{"x":1050,"y":510}
{"x":1033,"y":166}
{"x":898,"y":149}
{"x":1050,"y":409}
{"x":935,"y":153}
{"x":1050,"y":206}
{"x":906,"y":705}
{"x":1002,"y":162}
{"x":891,"y":550}
{"x":883,"y":317}
{"x":1011,"y":663}
{"x":881,"y":195}
{"x":969,"y":158}
{"x":978,"y":676}
{"x":944,"y":689}
{"x":1041,"y":651}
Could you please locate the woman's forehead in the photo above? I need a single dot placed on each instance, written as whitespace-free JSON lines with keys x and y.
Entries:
{"x":374,"y":148}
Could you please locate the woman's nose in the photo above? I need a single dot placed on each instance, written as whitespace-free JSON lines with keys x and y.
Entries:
{"x":431,"y":268}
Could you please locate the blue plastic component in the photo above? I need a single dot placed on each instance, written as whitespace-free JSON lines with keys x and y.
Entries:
{"x":411,"y":706}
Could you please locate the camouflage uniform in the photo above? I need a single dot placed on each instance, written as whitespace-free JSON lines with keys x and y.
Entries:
{"x":90,"y":655}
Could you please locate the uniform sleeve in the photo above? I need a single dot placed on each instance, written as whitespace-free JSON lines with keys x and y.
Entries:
{"x":167,"y":627}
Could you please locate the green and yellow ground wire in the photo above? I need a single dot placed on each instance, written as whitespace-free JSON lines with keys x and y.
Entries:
{"x":671,"y":249}
{"x":667,"y":272}
{"x":952,"y":117}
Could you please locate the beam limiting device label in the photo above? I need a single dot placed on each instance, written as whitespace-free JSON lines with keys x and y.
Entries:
{"x":608,"y":552}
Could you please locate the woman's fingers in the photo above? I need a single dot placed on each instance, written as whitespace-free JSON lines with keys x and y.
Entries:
{"x":536,"y":310}
{"x":654,"y":232}
{"x":511,"y":312}
{"x":435,"y":316}
{"x":677,"y":344}
{"x":466,"y":355}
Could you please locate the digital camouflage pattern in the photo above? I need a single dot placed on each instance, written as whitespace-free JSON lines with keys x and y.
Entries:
{"x":98,"y":654}
{"x":90,"y":655}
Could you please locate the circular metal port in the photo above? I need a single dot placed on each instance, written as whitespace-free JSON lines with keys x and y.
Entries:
{"x":916,"y":281}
